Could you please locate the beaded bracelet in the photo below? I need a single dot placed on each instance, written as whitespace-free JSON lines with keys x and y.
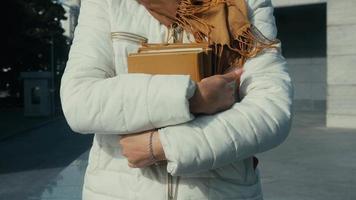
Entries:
{"x":153,"y":157}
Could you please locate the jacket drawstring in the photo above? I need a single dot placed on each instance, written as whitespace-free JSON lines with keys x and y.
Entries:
{"x":169,"y":186}
{"x":174,"y":33}
{"x":171,"y":194}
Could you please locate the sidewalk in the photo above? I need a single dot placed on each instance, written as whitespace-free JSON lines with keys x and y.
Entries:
{"x":314,"y":163}
{"x":33,"y":163}
{"x":13,"y":121}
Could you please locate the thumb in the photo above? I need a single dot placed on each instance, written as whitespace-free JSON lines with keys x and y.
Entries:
{"x":233,"y":75}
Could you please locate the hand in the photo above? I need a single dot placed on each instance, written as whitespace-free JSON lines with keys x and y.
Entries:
{"x":214,"y":93}
{"x":135,"y":147}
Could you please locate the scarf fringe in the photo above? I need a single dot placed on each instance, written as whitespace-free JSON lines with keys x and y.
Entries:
{"x":186,"y":14}
{"x":247,"y":42}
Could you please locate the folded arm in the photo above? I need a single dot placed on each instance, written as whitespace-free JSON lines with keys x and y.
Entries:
{"x":97,"y":100}
{"x":258,"y":123}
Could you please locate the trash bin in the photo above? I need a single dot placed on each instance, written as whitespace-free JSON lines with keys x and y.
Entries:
{"x":37,"y":96}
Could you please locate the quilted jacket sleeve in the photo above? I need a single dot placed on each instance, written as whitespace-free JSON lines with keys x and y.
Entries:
{"x":97,"y":100}
{"x":258,"y":123}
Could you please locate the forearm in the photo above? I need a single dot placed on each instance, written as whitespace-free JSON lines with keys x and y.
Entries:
{"x":95,"y":99}
{"x":258,"y":123}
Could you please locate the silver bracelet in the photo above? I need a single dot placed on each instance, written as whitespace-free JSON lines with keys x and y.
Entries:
{"x":153,"y":157}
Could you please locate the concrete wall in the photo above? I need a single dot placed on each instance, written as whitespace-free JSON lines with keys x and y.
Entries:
{"x":72,"y":11}
{"x":282,"y":3}
{"x":302,"y":30}
{"x":341,"y":78}
{"x":341,"y":62}
{"x":309,"y":78}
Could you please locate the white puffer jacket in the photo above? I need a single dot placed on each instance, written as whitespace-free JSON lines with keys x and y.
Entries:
{"x":211,"y":155}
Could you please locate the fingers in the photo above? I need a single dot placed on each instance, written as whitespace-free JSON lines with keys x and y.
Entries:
{"x":132,"y":165}
{"x":139,"y":164}
{"x":233,"y":75}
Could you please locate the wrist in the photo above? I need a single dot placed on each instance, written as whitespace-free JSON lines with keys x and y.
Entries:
{"x":157,"y":147}
{"x":195,"y":101}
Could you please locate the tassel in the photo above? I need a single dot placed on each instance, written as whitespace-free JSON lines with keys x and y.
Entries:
{"x":244,"y":43}
{"x":249,"y":41}
{"x":187,"y":18}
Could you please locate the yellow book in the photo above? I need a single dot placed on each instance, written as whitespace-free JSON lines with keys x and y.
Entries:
{"x":192,"y":59}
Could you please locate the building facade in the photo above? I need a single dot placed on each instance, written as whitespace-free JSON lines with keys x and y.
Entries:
{"x":323,"y":61}
{"x":72,"y":8}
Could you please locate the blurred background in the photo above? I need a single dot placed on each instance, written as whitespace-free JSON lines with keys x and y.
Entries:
{"x":41,"y":158}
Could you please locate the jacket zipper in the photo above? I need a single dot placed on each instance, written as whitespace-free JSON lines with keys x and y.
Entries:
{"x":169,"y":186}
{"x":177,"y":35}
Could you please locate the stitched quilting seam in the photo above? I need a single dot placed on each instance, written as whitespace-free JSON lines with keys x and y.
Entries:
{"x":207,"y":141}
{"x":225,"y":124}
{"x":253,"y":129}
{"x":146,"y":99}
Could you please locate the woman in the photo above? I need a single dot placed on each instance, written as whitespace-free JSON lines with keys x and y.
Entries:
{"x":141,"y":119}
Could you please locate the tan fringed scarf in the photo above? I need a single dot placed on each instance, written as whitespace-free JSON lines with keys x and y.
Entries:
{"x":223,"y":24}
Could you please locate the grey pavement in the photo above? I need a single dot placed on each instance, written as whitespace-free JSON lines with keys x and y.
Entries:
{"x":313,"y":163}
{"x":32,"y":163}
{"x":14,"y":122}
